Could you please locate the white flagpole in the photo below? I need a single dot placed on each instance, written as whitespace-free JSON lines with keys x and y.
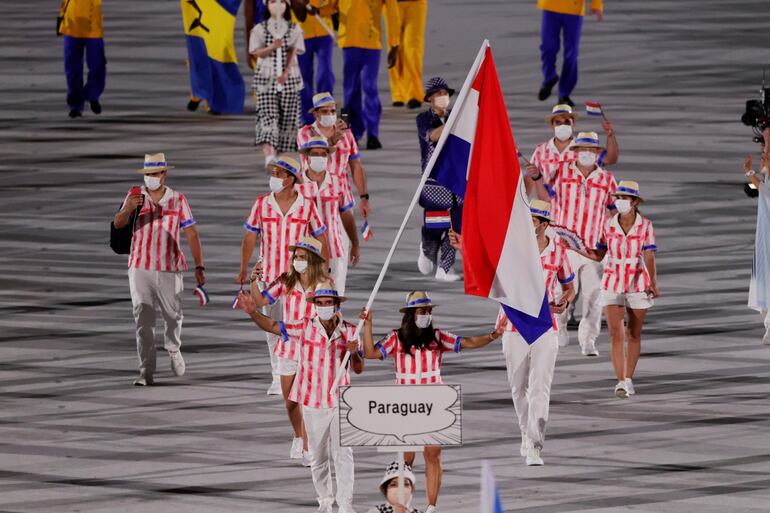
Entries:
{"x":426,"y":174}
{"x":323,"y":23}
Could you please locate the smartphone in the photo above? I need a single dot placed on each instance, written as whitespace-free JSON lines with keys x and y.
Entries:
{"x":345,"y":116}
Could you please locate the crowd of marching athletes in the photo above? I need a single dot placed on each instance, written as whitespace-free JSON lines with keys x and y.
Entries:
{"x":593,"y":241}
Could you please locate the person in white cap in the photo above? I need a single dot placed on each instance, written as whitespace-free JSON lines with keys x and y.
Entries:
{"x":629,"y":282}
{"x":345,"y":161}
{"x":323,"y":341}
{"x":292,"y":289}
{"x":418,"y":349}
{"x":582,"y":197}
{"x":531,"y":366}
{"x":389,"y":489}
{"x":156,"y":262}
{"x":277,"y":220}
{"x":335,"y":204}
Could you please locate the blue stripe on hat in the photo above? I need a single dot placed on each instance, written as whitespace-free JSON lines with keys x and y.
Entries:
{"x":285,"y":165}
{"x":326,"y":292}
{"x":323,"y":101}
{"x":415,"y":302}
{"x":315,"y":144}
{"x":628,"y":190}
{"x":586,"y":140}
{"x":154,"y":164}
{"x":309,"y":247}
{"x":543,"y":213}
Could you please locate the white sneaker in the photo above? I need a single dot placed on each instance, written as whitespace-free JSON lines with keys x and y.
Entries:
{"x":620,"y":390}
{"x":324,"y":508}
{"x":143,"y":380}
{"x":177,"y":363}
{"x":589,"y":349}
{"x":431,"y":509}
{"x":630,"y":387}
{"x":275,"y":387}
{"x":306,"y":458}
{"x":345,"y":508}
{"x":766,"y":338}
{"x":563,"y":340}
{"x":524,"y":446}
{"x":295,"y":452}
{"x":533,"y":457}
{"x":442,"y":275}
{"x":423,"y":263}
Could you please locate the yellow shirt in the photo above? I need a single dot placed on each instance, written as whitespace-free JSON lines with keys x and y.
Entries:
{"x":82,"y":18}
{"x":568,"y":6}
{"x":310,"y":27}
{"x":360,"y":23}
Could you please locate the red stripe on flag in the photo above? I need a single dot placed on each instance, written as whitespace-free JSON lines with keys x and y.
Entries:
{"x":493,"y":181}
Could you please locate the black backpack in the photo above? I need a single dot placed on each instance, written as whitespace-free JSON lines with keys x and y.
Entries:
{"x":120,"y":238}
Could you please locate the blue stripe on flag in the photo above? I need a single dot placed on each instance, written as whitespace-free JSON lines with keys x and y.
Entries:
{"x":529,"y":327}
{"x":219,"y":83}
{"x":451,"y":167}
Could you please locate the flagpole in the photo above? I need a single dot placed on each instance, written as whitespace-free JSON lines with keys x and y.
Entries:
{"x":425,"y":175}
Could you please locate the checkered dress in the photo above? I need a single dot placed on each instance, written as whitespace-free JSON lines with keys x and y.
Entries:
{"x":277,"y":112}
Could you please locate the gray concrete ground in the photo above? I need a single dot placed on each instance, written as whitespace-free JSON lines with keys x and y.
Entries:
{"x":75,"y":436}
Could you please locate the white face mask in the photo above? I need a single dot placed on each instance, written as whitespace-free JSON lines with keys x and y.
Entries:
{"x":325,"y":313}
{"x":276,"y":184}
{"x":152,"y":182}
{"x":277,"y":9}
{"x":300,"y":266}
{"x":318,"y":164}
{"x":563,"y":132}
{"x":393,"y":495}
{"x":422,"y":321}
{"x":441,"y":102}
{"x":586,"y":158}
{"x":328,"y":120}
{"x":623,"y":205}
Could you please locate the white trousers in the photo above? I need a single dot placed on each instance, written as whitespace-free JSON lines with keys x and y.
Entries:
{"x":588,"y":283}
{"x":339,"y":267}
{"x":275,"y":312}
{"x":530,"y":374}
{"x":323,"y":438}
{"x":151,"y":290}
{"x":766,"y":316}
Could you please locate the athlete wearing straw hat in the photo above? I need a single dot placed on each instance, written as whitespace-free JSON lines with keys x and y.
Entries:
{"x":418,"y":349}
{"x":582,"y":197}
{"x":323,"y":340}
{"x":335,"y":204}
{"x":156,"y":262}
{"x":277,"y":220}
{"x":531,"y":366}
{"x":629,"y":282}
{"x":340,"y":137}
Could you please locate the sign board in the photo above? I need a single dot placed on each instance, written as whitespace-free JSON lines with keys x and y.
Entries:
{"x":400,"y":415}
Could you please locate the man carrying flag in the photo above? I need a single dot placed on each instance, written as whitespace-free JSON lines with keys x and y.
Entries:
{"x":214,"y":75}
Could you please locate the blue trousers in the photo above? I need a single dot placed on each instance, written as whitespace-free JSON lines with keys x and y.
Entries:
{"x":359,"y":81}
{"x":74,"y":48}
{"x":320,"y":48}
{"x":554,"y":26}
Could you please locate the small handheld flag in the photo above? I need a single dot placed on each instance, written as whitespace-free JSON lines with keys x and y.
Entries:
{"x":594,"y":109}
{"x":438,"y":220}
{"x":366,"y":232}
{"x":235,"y":300}
{"x":203,"y":296}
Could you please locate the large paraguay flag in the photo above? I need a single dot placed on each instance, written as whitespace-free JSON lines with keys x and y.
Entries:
{"x":214,"y":75}
{"x":477,"y":159}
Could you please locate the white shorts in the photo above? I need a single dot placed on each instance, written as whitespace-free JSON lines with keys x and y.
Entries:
{"x":286,"y":366}
{"x":634,"y":300}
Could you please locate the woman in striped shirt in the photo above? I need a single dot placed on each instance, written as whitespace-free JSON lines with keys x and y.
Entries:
{"x":293,"y":288}
{"x":629,"y":281}
{"x":417,"y":348}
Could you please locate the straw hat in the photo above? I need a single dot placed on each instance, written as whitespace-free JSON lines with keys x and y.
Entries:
{"x":586,"y":140}
{"x":561,"y":110}
{"x":541,"y":208}
{"x":628,"y":188}
{"x":289,"y":164}
{"x":311,"y":244}
{"x":322,"y":100}
{"x":326,"y":289}
{"x":392,"y":472}
{"x":317,"y":142}
{"x":417,"y":299}
{"x":154,"y":163}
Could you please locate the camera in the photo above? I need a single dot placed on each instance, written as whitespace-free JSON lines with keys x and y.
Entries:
{"x":757,"y":114}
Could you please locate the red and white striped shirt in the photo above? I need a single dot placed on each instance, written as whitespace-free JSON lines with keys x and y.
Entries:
{"x":548,"y":158}
{"x":347,"y":150}
{"x":319,"y":356}
{"x":278,"y":231}
{"x":155,"y":245}
{"x":582,"y":202}
{"x":556,"y":268}
{"x":331,"y":200}
{"x":625,"y":271}
{"x":422,"y":367}
{"x":295,"y":308}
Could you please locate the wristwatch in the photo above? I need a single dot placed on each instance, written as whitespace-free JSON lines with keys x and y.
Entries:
{"x":364,"y":196}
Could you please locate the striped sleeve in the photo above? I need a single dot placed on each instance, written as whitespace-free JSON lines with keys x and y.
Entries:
{"x":448,"y":342}
{"x":354,"y":155}
{"x":610,"y":198}
{"x":317,"y":226}
{"x":346,"y":198}
{"x":292,"y":331}
{"x":601,"y":244}
{"x":275,"y":290}
{"x":387,"y":344}
{"x":649,"y":239}
{"x":254,"y":221}
{"x":186,"y":218}
{"x":565,"y":274}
